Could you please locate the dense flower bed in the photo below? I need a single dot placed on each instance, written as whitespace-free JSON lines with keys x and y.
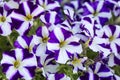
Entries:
{"x":60,"y":39}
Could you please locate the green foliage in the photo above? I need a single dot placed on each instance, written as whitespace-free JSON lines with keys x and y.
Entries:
{"x":91,"y":54}
{"x":68,"y":70}
{"x":117,"y":70}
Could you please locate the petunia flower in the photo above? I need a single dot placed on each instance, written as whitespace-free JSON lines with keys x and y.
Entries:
{"x":19,"y":63}
{"x":24,"y":16}
{"x":112,"y":35}
{"x":78,"y":63}
{"x":116,"y":9}
{"x":63,"y":44}
{"x":41,"y":39}
{"x":5,"y":22}
{"x":24,"y":42}
{"x":48,"y":4}
{"x":113,"y":60}
{"x":98,"y":11}
{"x":101,"y":70}
{"x":47,"y":63}
{"x":51,"y":19}
{"x":97,"y":71}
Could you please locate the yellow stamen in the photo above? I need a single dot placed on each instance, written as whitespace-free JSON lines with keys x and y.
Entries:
{"x":111,"y":38}
{"x":2,"y":19}
{"x":95,"y":13}
{"x":17,"y":64}
{"x":76,"y":61}
{"x":62,"y":44}
{"x":28,"y":17}
{"x":45,"y":39}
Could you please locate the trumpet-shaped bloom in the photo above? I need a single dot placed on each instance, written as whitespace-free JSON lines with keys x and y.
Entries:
{"x":24,"y":42}
{"x":63,"y":43}
{"x":5,"y":22}
{"x":112,"y":35}
{"x":97,"y":71}
{"x":24,"y":16}
{"x":98,"y":11}
{"x":48,"y":4}
{"x":19,"y":63}
{"x":51,"y":19}
{"x":78,"y":63}
{"x":41,"y":39}
{"x":46,"y":63}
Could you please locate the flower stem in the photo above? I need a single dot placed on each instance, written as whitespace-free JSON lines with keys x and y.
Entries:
{"x":8,"y":38}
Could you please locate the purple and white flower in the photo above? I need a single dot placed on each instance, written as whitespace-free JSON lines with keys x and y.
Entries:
{"x":51,"y":19}
{"x":78,"y":63}
{"x":24,"y":16}
{"x":19,"y":63}
{"x":41,"y":39}
{"x":48,"y":4}
{"x":98,"y":11}
{"x":46,"y":63}
{"x":24,"y":42}
{"x":63,"y":43}
{"x":5,"y":22}
{"x":101,"y":70}
{"x":112,"y":35}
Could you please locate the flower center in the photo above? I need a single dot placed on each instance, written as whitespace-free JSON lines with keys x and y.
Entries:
{"x":45,"y":39}
{"x":2,"y":19}
{"x":62,"y":44}
{"x":44,"y":6}
{"x":28,"y":17}
{"x":17,"y":64}
{"x":76,"y":61}
{"x":95,"y":13}
{"x":111,"y":38}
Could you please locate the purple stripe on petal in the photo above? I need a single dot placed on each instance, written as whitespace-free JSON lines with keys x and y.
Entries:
{"x":39,"y":62}
{"x":50,"y":55}
{"x":69,"y":54}
{"x":53,"y":38}
{"x":74,"y":43}
{"x":5,"y":67}
{"x":39,"y":31}
{"x":103,"y":20}
{"x":31,"y":6}
{"x":20,"y":10}
{"x":27,"y":39}
{"x":17,"y":45}
{"x":10,"y":53}
{"x":1,"y":30}
{"x":47,"y":17}
{"x":103,"y":68}
{"x":112,"y":28}
{"x":16,"y":23}
{"x":1,"y":10}
{"x":57,"y":54}
{"x":66,"y":33}
{"x":58,"y":76}
{"x":31,"y":70}
{"x":87,"y":19}
{"x":116,"y":60}
{"x":16,"y":76}
{"x":26,"y":54}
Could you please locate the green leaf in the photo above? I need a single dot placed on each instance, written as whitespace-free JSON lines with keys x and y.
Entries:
{"x":91,"y":54}
{"x":117,"y":70}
